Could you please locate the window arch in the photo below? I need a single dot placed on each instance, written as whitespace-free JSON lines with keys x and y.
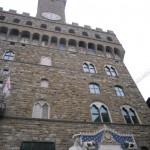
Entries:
{"x":62,"y":43}
{"x":25,"y":36}
{"x":100,"y":113}
{"x":90,"y":68}
{"x":108,"y":51}
{"x":129,"y":114}
{"x":45,"y":39}
{"x":54,"y":41}
{"x":35,"y":38}
{"x":44,"y":83}
{"x":82,"y":44}
{"x":91,"y":46}
{"x":41,"y":110}
{"x":94,"y":88}
{"x":117,"y":53}
{"x":3,"y":32}
{"x":100,"y":48}
{"x":1,"y":84}
{"x":119,"y":91}
{"x":9,"y":55}
{"x":111,"y":71}
{"x":72,"y":43}
{"x":14,"y":34}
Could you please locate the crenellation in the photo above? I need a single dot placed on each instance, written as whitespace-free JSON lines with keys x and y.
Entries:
{"x":26,"y":14}
{"x":12,"y":11}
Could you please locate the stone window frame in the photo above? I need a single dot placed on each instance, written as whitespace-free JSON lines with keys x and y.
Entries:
{"x":128,"y":107}
{"x":44,"y":80}
{"x":110,"y":67}
{"x":94,"y":88}
{"x":41,"y":103}
{"x":99,"y":105}
{"x":89,"y":70}
{"x":119,"y":91}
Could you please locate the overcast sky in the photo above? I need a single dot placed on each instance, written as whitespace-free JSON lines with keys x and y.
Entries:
{"x":129,"y":19}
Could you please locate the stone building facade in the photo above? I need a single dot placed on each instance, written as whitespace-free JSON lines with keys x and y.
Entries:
{"x":60,"y":81}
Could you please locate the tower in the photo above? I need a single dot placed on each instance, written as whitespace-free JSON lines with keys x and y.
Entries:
{"x":53,"y":10}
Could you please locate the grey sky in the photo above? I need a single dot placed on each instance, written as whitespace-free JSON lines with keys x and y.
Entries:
{"x":129,"y":19}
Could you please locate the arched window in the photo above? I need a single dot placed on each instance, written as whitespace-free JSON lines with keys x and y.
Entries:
{"x":9,"y":55}
{"x":40,"y":110}
{"x":91,"y":47}
{"x":111,"y":71}
{"x":100,"y":113}
{"x":82,"y":44}
{"x":44,"y":83}
{"x":87,"y":67}
{"x":119,"y":91}
{"x":54,"y":41}
{"x":129,"y":114}
{"x":72,"y":43}
{"x":3,"y":32}
{"x":25,"y":36}
{"x":29,"y":23}
{"x":44,"y":40}
{"x":1,"y":84}
{"x":94,"y":88}
{"x":35,"y":38}
{"x":14,"y":32}
{"x":109,"y":52}
{"x":62,"y":43}
{"x":58,"y":29}
{"x":84,"y":33}
{"x":100,"y":48}
{"x":117,"y":53}
{"x":71,"y":31}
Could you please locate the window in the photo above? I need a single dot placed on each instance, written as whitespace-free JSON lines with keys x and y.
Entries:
{"x":82,"y":44}
{"x":72,"y":43}
{"x":110,"y":71}
{"x":16,"y":20}
{"x":5,"y":71}
{"x":100,"y":48}
{"x":40,"y":110}
{"x":44,"y":26}
{"x":46,"y":61}
{"x":58,"y":29}
{"x":2,"y":17}
{"x":35,"y":38}
{"x":94,"y":88}
{"x":97,"y":36}
{"x":1,"y":84}
{"x":71,"y":31}
{"x":62,"y":43}
{"x":38,"y":146}
{"x":109,"y":38}
{"x":119,"y":91}
{"x":9,"y":55}
{"x":84,"y":33}
{"x":25,"y":36}
{"x":109,"y":52}
{"x":91,"y":47}
{"x":45,"y":40}
{"x":117,"y":53}
{"x":54,"y":41}
{"x":89,"y":68}
{"x":44,"y":83}
{"x":100,"y":113}
{"x":3,"y":32}
{"x":29,"y":23}
{"x":129,"y":115}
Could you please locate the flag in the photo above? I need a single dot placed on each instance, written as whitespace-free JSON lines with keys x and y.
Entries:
{"x":7,"y":87}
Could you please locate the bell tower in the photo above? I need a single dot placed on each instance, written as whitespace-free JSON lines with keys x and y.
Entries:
{"x":53,"y":10}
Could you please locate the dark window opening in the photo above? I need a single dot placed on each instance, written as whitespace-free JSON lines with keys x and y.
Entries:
{"x":14,"y":32}
{"x":58,"y":29}
{"x":72,"y":43}
{"x":91,"y":46}
{"x":29,"y":23}
{"x":2,"y":17}
{"x":54,"y":41}
{"x":97,"y":36}
{"x":100,"y":48}
{"x":3,"y":30}
{"x":16,"y":20}
{"x":62,"y":43}
{"x":45,"y":40}
{"x":35,"y":37}
{"x":38,"y":146}
{"x":82,"y":44}
{"x":71,"y":31}
{"x":109,"y":38}
{"x":84,"y":33}
{"x":44,"y":26}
